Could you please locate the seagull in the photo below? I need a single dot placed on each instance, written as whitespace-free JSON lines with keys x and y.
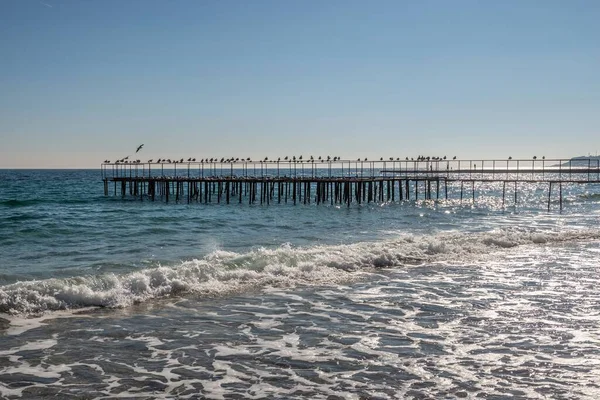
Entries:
{"x":139,"y":147}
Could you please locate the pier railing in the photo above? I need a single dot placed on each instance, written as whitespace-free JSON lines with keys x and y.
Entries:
{"x":545,"y":170}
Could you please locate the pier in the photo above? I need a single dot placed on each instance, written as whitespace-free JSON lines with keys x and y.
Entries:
{"x":340,"y":182}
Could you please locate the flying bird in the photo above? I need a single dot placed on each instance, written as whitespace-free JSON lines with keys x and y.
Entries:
{"x":139,"y":147}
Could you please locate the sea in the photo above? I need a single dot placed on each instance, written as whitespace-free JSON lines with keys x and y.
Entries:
{"x":105,"y":297}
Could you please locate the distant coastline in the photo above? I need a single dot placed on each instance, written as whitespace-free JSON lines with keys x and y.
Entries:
{"x":583,"y":161}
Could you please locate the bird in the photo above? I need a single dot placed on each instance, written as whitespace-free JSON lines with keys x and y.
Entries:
{"x":510,"y":158}
{"x":454,"y":158}
{"x":535,"y":157}
{"x":139,"y":147}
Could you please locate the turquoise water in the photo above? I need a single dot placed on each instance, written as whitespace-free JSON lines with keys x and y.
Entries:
{"x":102,"y":297}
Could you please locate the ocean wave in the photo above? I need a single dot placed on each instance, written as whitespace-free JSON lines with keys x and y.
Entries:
{"x":224,"y":272}
{"x":19,"y":203}
{"x":12,"y":203}
{"x":590,"y":196}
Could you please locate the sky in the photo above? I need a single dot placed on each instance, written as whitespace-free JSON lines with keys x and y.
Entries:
{"x":83,"y":81}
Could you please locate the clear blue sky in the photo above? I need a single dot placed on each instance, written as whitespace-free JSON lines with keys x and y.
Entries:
{"x":83,"y":81}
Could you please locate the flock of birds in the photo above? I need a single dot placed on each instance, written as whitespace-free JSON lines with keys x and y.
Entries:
{"x":125,"y":160}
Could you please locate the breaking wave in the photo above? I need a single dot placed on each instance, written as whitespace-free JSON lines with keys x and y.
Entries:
{"x":223,"y":272}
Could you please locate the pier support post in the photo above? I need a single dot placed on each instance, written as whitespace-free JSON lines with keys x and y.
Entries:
{"x":549,"y":194}
{"x":446,"y":188}
{"x":560,"y":195}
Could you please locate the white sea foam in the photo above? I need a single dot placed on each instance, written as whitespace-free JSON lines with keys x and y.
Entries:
{"x":223,"y":272}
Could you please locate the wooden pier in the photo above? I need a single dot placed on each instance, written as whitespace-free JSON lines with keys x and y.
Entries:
{"x":338,"y":182}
